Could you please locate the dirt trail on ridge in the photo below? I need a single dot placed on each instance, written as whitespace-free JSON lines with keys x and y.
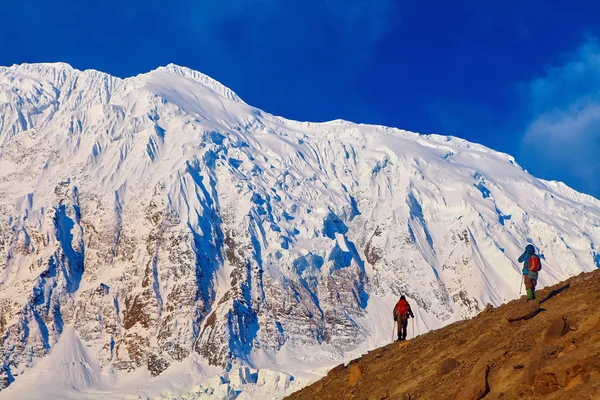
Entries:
{"x":548,"y":348}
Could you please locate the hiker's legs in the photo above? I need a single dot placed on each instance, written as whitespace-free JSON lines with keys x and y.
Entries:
{"x":399,"y":323}
{"x":404,"y":323}
{"x":533,"y":283}
{"x":529,"y":287}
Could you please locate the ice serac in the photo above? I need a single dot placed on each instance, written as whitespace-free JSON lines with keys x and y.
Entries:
{"x":160,"y":218}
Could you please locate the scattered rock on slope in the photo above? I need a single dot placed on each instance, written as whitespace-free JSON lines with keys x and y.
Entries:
{"x":447,"y":366}
{"x":558,"y":328}
{"x":477,"y":385}
{"x":526,"y":311}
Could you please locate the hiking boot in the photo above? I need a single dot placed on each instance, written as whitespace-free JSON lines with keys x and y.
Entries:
{"x":530,"y":295}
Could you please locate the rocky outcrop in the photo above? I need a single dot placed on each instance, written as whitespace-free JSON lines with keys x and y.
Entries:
{"x":477,"y":386}
{"x":558,"y":328}
{"x":525,"y":311}
{"x":356,"y":371}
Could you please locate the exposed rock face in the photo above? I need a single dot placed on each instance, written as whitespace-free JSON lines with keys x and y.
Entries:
{"x":526,"y":311}
{"x":477,"y":385}
{"x":491,"y":362}
{"x":356,"y":371}
{"x":558,"y":328}
{"x":161,"y":216}
{"x":447,"y":366}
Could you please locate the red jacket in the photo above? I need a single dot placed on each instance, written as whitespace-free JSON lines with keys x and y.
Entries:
{"x":402,"y":310}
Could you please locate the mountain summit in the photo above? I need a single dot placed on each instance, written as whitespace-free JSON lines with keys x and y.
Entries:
{"x":160,"y":220}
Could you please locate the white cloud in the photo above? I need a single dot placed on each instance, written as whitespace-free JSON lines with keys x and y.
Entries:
{"x":563,"y":137}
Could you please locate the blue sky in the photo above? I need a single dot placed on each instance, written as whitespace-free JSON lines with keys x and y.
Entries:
{"x":522,"y":77}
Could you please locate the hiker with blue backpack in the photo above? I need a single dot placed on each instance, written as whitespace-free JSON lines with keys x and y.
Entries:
{"x":531,"y":266}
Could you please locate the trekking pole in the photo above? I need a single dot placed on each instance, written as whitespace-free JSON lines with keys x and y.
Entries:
{"x":521,"y":288}
{"x":413,"y":327}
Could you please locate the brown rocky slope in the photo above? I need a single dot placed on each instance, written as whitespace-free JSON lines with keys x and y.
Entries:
{"x":548,"y":348}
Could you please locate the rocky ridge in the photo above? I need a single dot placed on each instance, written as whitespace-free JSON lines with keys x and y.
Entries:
{"x":549,"y":348}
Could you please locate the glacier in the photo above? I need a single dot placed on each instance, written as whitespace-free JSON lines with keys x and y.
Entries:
{"x":161,"y":238}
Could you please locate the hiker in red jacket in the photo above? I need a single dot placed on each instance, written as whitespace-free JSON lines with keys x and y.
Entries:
{"x":402,"y":312}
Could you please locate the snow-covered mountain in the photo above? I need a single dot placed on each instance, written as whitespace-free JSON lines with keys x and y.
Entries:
{"x":159,"y":224}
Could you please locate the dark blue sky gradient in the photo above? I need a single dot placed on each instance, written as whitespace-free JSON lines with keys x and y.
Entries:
{"x":463,"y":68}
